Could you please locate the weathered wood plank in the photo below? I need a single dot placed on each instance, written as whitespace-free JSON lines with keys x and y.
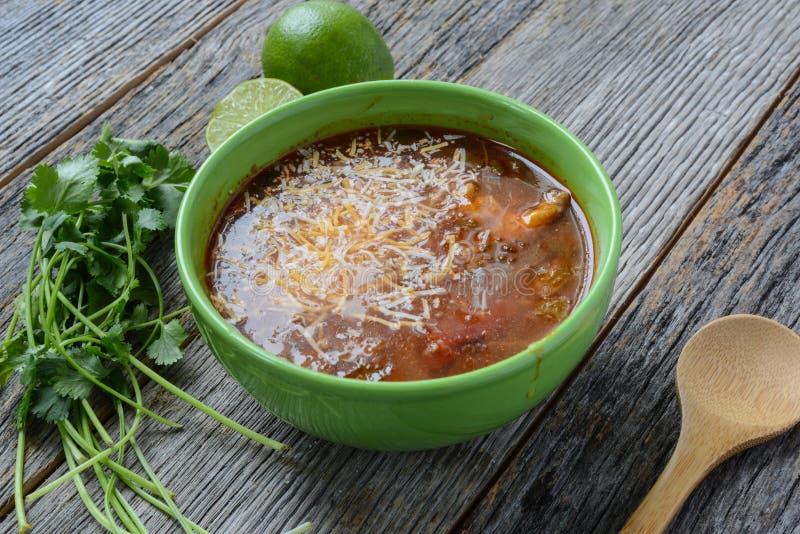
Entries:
{"x":226,"y":57}
{"x":60,"y":60}
{"x":657,"y":90}
{"x":426,"y":491}
{"x":597,"y":453}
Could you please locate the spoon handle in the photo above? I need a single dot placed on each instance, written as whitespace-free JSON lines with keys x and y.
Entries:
{"x":689,"y":464}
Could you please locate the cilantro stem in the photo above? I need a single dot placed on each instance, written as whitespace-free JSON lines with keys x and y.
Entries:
{"x":13,"y":325}
{"x":77,"y":469}
{"x":233,"y":425}
{"x":128,"y":247}
{"x":163,"y":507}
{"x":156,"y":285}
{"x":80,"y":316}
{"x":65,"y":428}
{"x":19,"y":473}
{"x":102,"y":252}
{"x":29,"y":290}
{"x":44,"y":268}
{"x":87,"y":409}
{"x":120,"y":460}
{"x":151,"y":499}
{"x":80,"y":339}
{"x":111,"y":499}
{"x":102,"y":456}
{"x":160,"y":298}
{"x":80,"y":296}
{"x":300,"y":529}
{"x":161,"y":489}
{"x":76,"y":479}
{"x":88,"y":376}
{"x":104,"y":310}
{"x":63,"y":269}
{"x":166,"y":495}
{"x":59,"y":346}
{"x":111,"y":502}
{"x":166,"y":317}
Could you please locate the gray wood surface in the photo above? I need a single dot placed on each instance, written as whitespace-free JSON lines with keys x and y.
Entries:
{"x":178,"y":119}
{"x":663,"y":95}
{"x":595,"y":455}
{"x":60,"y":62}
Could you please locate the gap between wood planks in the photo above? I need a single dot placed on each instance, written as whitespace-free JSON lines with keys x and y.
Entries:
{"x":626,"y":303}
{"x":40,"y":476}
{"x":71,"y":130}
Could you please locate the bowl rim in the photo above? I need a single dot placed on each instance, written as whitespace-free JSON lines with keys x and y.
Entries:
{"x":605,"y":272}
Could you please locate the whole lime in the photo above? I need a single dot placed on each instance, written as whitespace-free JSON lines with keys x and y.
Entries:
{"x":321,"y":43}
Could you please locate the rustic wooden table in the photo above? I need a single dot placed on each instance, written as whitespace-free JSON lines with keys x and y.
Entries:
{"x":694,"y":109}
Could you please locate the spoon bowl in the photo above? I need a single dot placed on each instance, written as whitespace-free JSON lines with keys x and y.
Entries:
{"x":744,"y":370}
{"x":738,"y":381}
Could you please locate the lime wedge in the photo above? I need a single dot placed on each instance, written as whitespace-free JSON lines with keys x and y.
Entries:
{"x":247,"y":101}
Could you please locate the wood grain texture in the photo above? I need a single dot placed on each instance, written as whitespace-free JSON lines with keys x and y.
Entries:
{"x":596,"y":455}
{"x":662,"y":92}
{"x":164,"y":110}
{"x":615,"y":74}
{"x":59,"y":60}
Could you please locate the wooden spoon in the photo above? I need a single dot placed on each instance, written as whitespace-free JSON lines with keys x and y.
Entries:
{"x":738,"y":382}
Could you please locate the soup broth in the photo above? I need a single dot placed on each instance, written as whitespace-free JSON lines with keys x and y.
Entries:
{"x":399,"y":253}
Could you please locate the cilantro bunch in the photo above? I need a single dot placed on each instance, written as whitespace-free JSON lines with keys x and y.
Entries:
{"x":91,"y":310}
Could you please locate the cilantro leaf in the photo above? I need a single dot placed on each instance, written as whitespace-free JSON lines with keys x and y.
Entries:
{"x":150,"y":219}
{"x":114,"y":342}
{"x":29,"y":366}
{"x":44,"y":365}
{"x":139,"y":314}
{"x":165,"y":188}
{"x":78,"y":169}
{"x":167,"y":198}
{"x":69,"y":245}
{"x":109,"y":272}
{"x":136,"y":166}
{"x":70,"y":383}
{"x":166,"y":350}
{"x":13,"y":355}
{"x":31,"y":218}
{"x":50,"y":225}
{"x":69,"y":187}
{"x":131,"y":191}
{"x":73,"y":385}
{"x":105,"y":136}
{"x":102,"y":150}
{"x":47,"y":404}
{"x":137,"y":147}
{"x":169,"y":167}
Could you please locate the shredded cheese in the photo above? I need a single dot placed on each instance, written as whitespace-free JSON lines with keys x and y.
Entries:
{"x":361,"y":234}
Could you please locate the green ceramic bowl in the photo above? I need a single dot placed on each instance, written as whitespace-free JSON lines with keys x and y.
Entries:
{"x":400,"y":415}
